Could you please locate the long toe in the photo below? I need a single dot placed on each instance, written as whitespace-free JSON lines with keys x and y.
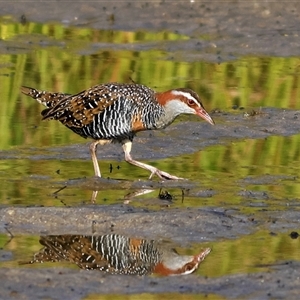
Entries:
{"x":170,"y":177}
{"x":164,"y":175}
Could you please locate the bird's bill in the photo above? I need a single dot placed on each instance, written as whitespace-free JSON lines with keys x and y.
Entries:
{"x":200,"y":257}
{"x":201,"y":112}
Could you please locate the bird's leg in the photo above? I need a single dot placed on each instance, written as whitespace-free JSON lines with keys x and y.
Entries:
{"x":94,"y":196}
{"x":154,"y":171}
{"x":93,"y":150}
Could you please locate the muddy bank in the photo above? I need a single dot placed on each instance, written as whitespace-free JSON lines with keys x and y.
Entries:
{"x":282,"y":282}
{"x":183,"y":226}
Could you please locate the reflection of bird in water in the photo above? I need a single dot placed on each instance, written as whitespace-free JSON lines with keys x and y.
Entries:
{"x":115,"y":112}
{"x":117,"y":254}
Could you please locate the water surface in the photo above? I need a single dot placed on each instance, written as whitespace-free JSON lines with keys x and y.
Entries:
{"x":39,"y":166}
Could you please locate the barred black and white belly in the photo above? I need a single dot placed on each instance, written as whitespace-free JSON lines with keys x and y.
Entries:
{"x":122,"y":259}
{"x":116,"y":122}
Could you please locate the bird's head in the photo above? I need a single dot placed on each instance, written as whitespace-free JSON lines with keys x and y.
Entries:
{"x":175,"y":264}
{"x":184,"y":101}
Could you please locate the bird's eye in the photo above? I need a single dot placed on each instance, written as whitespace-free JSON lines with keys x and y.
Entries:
{"x":191,"y":102}
{"x":189,"y":267}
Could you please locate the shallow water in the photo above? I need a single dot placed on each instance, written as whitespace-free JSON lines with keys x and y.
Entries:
{"x":242,"y":172}
{"x":45,"y":164}
{"x":252,"y":253}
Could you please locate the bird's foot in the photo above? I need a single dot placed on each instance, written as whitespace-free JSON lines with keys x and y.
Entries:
{"x":164,"y":175}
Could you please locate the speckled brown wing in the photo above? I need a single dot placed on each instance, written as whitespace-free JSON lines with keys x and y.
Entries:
{"x":79,"y":250}
{"x":79,"y":110}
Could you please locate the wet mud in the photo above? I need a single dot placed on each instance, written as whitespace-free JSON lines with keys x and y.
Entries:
{"x":237,"y":28}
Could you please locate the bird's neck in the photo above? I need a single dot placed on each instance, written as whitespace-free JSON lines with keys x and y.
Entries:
{"x":171,"y":108}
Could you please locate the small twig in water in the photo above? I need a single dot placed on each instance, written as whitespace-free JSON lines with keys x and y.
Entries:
{"x":11,"y":236}
{"x":56,"y":192}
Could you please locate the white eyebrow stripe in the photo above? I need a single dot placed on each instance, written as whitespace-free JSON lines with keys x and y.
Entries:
{"x":185,"y":94}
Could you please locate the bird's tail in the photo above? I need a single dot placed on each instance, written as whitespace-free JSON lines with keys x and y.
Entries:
{"x":48,"y":99}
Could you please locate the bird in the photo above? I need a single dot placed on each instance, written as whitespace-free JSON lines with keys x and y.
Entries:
{"x":115,"y":112}
{"x":117,"y":254}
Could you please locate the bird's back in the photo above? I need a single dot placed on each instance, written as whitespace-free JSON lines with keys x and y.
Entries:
{"x":111,"y":111}
{"x":111,"y":253}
